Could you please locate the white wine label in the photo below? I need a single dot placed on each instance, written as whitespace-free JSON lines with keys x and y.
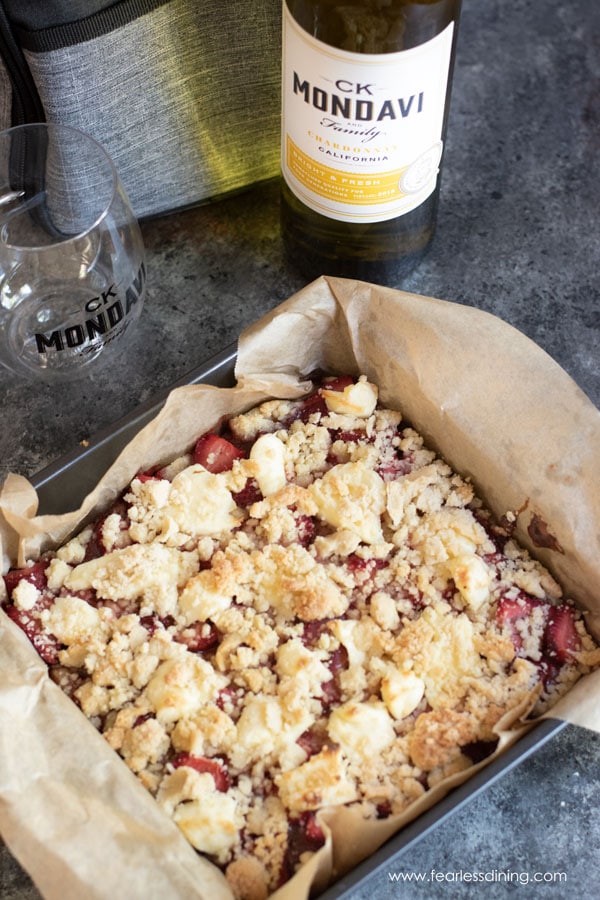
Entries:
{"x":361,"y":133}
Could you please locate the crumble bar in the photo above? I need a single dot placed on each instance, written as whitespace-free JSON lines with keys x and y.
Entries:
{"x":310,"y":609}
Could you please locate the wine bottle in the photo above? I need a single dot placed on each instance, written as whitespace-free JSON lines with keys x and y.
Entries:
{"x":365,"y":97}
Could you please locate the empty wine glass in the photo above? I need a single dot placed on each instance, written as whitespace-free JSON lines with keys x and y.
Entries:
{"x":72,"y":274}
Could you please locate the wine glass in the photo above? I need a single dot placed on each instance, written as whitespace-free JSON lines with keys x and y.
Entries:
{"x":72,"y":274}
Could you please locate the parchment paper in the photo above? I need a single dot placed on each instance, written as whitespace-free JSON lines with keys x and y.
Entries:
{"x":488,"y":399}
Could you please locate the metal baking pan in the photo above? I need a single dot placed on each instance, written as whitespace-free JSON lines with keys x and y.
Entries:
{"x":62,"y":486}
{"x":387,"y":857}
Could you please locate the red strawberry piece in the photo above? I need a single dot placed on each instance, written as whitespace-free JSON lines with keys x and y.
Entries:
{"x":384,"y":809}
{"x":216,"y":453}
{"x":311,"y":405}
{"x":312,"y":741}
{"x":202,"y":764}
{"x":337,"y":383}
{"x":97,"y":545}
{"x":358,"y":563}
{"x":364,"y":568}
{"x":312,"y":829}
{"x":45,"y":644}
{"x":497,"y":534}
{"x":338,"y":660}
{"x":151,"y":623}
{"x":394,"y":468}
{"x":304,"y":836}
{"x":147,"y":476}
{"x":331,"y":693}
{"x":331,"y":690}
{"x":512,"y":611}
{"x":347,"y":436}
{"x":314,"y":403}
{"x":312,"y":631}
{"x":286,"y":869}
{"x":228,"y":699}
{"x":199,"y":636}
{"x":117,"y":609}
{"x":548,"y":671}
{"x":306,"y":529}
{"x":34,"y":574}
{"x":143,"y":718}
{"x":249,"y":494}
{"x":561,"y":639}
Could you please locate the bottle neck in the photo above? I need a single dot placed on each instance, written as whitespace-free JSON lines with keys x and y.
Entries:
{"x":372,"y":26}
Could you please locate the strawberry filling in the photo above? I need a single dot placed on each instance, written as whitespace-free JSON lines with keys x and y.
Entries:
{"x":514,"y":613}
{"x":98,"y":545}
{"x":46,"y":644}
{"x":203,"y":764}
{"x":199,"y":636}
{"x":559,"y":639}
{"x":305,"y":835}
{"x":314,"y":404}
{"x":216,"y":453}
{"x":249,"y":494}
{"x":313,"y":740}
{"x":34,"y":574}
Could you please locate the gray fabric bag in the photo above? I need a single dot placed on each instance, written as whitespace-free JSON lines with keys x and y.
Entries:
{"x":183,"y":94}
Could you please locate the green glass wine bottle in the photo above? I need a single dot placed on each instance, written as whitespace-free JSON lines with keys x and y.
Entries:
{"x":365,"y":98}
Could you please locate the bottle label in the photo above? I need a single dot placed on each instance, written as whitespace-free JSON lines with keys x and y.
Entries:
{"x":361,"y":133}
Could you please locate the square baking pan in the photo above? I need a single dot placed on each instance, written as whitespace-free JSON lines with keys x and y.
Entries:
{"x":62,"y":485}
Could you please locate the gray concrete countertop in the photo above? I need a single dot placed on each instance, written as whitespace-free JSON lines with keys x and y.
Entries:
{"x":518,"y":236}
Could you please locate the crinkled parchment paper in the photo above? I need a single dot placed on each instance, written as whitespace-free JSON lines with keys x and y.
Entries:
{"x":486,"y":397}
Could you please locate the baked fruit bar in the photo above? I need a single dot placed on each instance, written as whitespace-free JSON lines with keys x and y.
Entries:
{"x":308,"y":610}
